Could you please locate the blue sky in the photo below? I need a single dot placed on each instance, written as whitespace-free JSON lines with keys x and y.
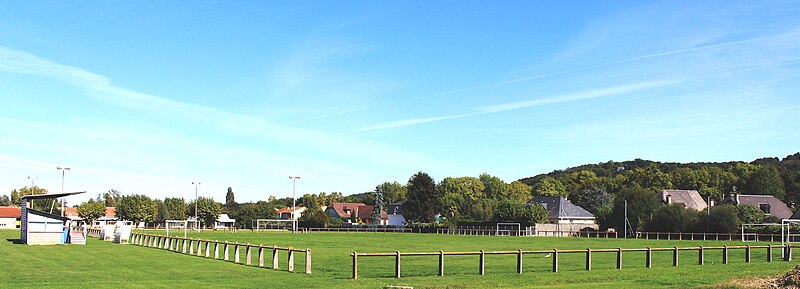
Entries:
{"x":147,"y":97}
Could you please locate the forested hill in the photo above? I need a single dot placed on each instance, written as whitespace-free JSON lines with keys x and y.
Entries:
{"x":586,"y":183}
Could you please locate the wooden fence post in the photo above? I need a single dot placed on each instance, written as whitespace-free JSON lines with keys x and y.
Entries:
{"x":769,"y":253}
{"x":248,"y":254}
{"x":183,"y":246}
{"x":481,"y":267}
{"x":236,"y":252}
{"x":555,"y":260}
{"x":171,"y":248}
{"x":355,"y":265}
{"x":397,"y":265}
{"x":700,"y":256}
{"x":308,"y":261}
{"x":208,"y":248}
{"x":260,"y":256}
{"x":199,"y":247}
{"x":787,"y":255}
{"x":747,"y":254}
{"x":275,"y":257}
{"x":588,"y":259}
{"x":291,"y":260}
{"x":191,"y":247}
{"x":225,"y":255}
{"x":675,"y":257}
{"x":216,"y":249}
{"x":648,"y":259}
{"x":619,"y":258}
{"x":441,"y":263}
{"x":725,"y":254}
{"x":519,"y":261}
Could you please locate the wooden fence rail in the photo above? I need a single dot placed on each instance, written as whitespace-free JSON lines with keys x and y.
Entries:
{"x":588,"y":252}
{"x":211,"y":249}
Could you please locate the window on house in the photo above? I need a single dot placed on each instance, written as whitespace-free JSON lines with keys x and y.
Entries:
{"x":764,"y":208}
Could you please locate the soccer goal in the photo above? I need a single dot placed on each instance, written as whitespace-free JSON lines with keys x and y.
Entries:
{"x":790,"y":231}
{"x":273,"y":224}
{"x":177,"y":225}
{"x":508,"y":229}
{"x":750,"y":231}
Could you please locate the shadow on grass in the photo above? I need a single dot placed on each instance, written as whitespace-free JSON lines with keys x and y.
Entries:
{"x":15,"y":241}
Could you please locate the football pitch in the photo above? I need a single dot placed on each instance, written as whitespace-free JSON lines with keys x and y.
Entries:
{"x":102,"y":264}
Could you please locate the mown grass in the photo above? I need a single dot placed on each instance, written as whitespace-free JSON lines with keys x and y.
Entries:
{"x":106,"y":265}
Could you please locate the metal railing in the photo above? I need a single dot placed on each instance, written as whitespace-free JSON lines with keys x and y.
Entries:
{"x":709,"y":236}
{"x":193,"y":246}
{"x":356,"y":230}
{"x":786,"y":255}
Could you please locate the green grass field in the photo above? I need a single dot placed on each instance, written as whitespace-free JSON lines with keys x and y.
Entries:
{"x":107,"y":265}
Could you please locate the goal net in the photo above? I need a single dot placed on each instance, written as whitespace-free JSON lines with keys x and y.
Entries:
{"x":790,"y":231}
{"x":273,"y":224}
{"x":752,"y":232}
{"x":508,"y":229}
{"x":177,"y":225}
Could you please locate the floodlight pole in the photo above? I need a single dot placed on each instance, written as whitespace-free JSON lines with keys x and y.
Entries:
{"x":63,"y":172}
{"x":196,"y":221}
{"x":294,"y":200}
{"x":625,"y":225}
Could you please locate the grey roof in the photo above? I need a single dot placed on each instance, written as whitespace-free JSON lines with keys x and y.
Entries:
{"x":776,"y":207}
{"x":558,"y":207}
{"x":47,"y":196}
{"x":689,"y":198}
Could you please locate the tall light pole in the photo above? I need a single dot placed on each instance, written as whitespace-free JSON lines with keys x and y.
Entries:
{"x":294,"y":199}
{"x":32,"y":179}
{"x":63,"y":172}
{"x":196,"y":221}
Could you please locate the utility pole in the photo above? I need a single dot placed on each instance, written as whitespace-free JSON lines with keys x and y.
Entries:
{"x":625,"y":230}
{"x":294,"y":200}
{"x":63,"y":173}
{"x":196,"y":221}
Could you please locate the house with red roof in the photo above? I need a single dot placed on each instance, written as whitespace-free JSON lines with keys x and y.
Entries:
{"x":289,"y":213}
{"x":347,"y":210}
{"x":9,"y":217}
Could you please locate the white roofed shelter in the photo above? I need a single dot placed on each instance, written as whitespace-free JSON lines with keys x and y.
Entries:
{"x":40,"y":227}
{"x":224,"y":222}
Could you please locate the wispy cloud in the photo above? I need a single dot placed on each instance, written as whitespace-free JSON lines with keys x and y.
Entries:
{"x":582,"y":95}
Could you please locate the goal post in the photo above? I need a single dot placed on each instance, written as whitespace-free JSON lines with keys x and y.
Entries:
{"x":508,"y":229}
{"x":177,"y":225}
{"x":750,"y":232}
{"x":273,"y":224}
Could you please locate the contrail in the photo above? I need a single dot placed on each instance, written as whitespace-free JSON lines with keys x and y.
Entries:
{"x":546,"y":75}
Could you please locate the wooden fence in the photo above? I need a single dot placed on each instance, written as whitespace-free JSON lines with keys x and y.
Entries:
{"x":211,"y":249}
{"x":357,"y":230}
{"x":709,"y":236}
{"x":786,"y":253}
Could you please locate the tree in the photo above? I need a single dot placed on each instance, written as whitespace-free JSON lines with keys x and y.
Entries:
{"x":592,"y":199}
{"x":724,"y":219}
{"x":229,"y":198}
{"x":458,"y":194}
{"x":162,"y":213}
{"x":41,"y":204}
{"x":137,"y":208}
{"x":392,"y":192}
{"x":375,"y":215}
{"x":673,"y":218}
{"x":177,"y":208}
{"x":649,"y":178}
{"x":422,"y":199}
{"x":765,"y":180}
{"x":5,"y":201}
{"x":494,"y":187}
{"x":207,"y":210}
{"x":749,"y":214}
{"x":112,"y":198}
{"x":641,"y":204}
{"x":518,"y":191}
{"x":511,"y":211}
{"x":549,"y":187}
{"x":314,"y":217}
{"x":91,"y":210}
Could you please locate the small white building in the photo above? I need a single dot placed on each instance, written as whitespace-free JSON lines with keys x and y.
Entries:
{"x":42,"y":228}
{"x":9,"y":217}
{"x":224,"y":222}
{"x":289,"y":214}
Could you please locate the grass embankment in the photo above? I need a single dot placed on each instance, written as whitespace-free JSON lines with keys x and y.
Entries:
{"x":106,"y":265}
